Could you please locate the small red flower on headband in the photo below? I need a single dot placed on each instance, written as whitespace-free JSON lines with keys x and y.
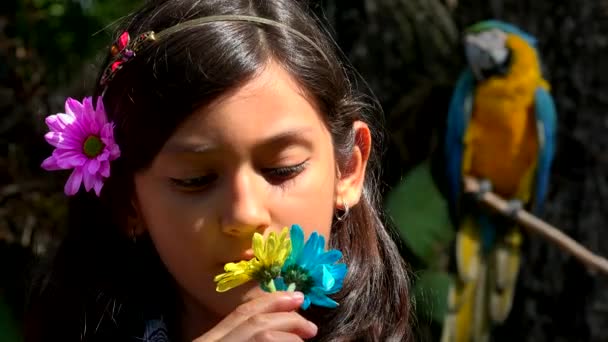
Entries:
{"x":123,"y":40}
{"x":122,"y":51}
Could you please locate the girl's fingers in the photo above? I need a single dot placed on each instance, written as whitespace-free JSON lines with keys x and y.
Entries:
{"x":276,"y":336}
{"x":271,"y":302}
{"x":267,"y":325}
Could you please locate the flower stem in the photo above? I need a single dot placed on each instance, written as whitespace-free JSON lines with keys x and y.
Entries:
{"x":291,"y":287}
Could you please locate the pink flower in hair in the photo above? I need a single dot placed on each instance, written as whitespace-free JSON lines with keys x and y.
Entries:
{"x":84,"y":141}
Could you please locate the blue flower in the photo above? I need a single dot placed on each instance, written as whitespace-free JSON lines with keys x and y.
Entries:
{"x":312,"y":270}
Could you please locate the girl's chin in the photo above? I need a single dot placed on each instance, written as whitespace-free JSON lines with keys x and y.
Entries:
{"x":226,"y":302}
{"x":250,"y":291}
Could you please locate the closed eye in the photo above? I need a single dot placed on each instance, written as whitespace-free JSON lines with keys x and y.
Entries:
{"x":279,"y":175}
{"x":275,"y":176}
{"x":194,"y":184}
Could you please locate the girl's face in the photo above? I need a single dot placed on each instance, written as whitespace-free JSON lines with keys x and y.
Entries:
{"x":257,"y":160}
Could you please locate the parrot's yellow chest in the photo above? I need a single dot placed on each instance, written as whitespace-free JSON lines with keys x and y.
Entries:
{"x":501,"y":141}
{"x":504,"y":152}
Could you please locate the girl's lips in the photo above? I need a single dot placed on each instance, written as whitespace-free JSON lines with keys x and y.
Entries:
{"x":246,"y":255}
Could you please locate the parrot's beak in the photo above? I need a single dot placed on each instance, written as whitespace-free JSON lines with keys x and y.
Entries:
{"x":486,"y":57}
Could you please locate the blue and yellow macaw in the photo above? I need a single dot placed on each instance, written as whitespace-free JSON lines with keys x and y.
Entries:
{"x":500,"y":129}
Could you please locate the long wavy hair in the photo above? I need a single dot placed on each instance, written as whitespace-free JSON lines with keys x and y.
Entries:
{"x":103,"y":286}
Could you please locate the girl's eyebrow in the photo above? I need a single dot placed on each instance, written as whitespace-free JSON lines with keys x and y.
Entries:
{"x":188,"y":147}
{"x":298,"y":136}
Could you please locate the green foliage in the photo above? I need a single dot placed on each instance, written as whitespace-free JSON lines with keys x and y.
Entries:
{"x":47,"y":48}
{"x":61,"y":34}
{"x":421,"y":216}
{"x":431,"y":292}
{"x":8,"y":330}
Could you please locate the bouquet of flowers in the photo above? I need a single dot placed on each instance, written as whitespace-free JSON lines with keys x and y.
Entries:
{"x":287,"y":263}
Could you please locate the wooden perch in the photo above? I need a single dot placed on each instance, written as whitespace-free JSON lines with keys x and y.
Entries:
{"x":537,"y":226}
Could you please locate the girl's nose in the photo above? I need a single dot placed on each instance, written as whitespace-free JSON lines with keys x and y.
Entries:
{"x":245,"y":209}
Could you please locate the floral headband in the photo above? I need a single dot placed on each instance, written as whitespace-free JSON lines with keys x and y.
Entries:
{"x":84,"y":138}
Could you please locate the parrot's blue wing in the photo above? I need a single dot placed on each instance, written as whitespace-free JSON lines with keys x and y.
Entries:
{"x":547,"y":126}
{"x":458,"y":118}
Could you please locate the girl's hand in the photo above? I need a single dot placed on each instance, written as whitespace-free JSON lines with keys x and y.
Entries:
{"x":271,"y":317}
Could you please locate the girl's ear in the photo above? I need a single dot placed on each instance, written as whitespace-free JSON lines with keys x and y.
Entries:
{"x":352,"y":175}
{"x":135,"y":224}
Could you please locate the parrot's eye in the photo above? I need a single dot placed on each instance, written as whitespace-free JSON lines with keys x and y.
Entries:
{"x":498,"y":35}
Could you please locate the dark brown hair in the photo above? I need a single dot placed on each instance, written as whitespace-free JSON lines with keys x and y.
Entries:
{"x":103,"y":285}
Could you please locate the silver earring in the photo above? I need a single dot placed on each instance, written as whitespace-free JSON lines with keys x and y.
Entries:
{"x":133,"y":235}
{"x":342,"y":216}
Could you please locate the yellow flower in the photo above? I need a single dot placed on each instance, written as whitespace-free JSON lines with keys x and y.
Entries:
{"x":236,"y":274}
{"x":274,"y":251}
{"x":270,"y":255}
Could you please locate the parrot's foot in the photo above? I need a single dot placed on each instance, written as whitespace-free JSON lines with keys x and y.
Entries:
{"x":485,"y":186}
{"x":514,"y":206}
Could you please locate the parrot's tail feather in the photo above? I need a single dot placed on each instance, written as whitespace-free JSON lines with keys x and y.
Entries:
{"x":481,"y":324}
{"x":458,"y":322}
{"x":468,"y":250}
{"x":467,"y":319}
{"x":448,"y":333}
{"x":506,"y":261}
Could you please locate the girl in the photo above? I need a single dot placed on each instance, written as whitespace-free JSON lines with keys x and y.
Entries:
{"x":226,"y":118}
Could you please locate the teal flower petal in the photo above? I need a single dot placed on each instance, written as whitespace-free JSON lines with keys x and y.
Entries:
{"x":313,"y":269}
{"x":318,"y":297}
{"x":331,"y":277}
{"x":338,"y":272}
{"x":306,"y":303}
{"x":296,"y":235}
{"x":329,"y":257}
{"x":327,"y":280}
{"x":310,"y":251}
{"x":279,"y":284}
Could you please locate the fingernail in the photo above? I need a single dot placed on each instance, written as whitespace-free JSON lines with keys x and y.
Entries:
{"x":313,"y":327}
{"x":297,"y":295}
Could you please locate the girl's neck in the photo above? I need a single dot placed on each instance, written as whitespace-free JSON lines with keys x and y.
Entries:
{"x":193,"y":319}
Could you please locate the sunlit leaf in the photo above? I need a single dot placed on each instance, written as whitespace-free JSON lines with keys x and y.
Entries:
{"x":421,"y":215}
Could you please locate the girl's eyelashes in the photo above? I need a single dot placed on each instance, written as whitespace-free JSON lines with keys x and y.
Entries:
{"x":196,"y":183}
{"x":275,"y":176}
{"x":279,"y":175}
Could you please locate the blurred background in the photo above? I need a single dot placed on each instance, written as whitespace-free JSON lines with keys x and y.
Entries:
{"x":410,"y":52}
